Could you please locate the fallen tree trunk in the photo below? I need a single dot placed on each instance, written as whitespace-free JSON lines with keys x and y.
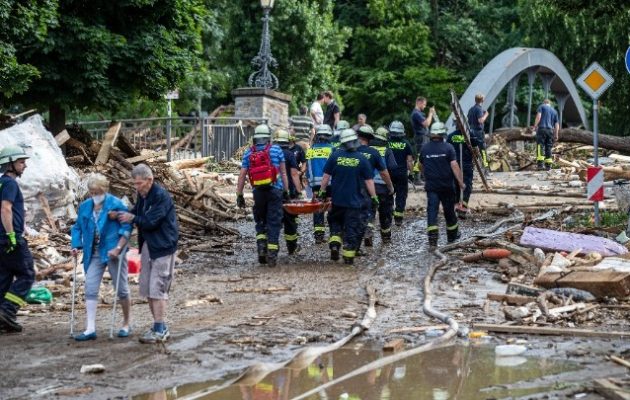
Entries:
{"x":570,"y":135}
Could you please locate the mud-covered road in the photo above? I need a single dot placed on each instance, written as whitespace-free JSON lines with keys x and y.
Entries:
{"x":265,"y":314}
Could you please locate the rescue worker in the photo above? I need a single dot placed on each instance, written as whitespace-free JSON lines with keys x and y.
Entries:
{"x":290,"y":221}
{"x":299,"y":152}
{"x":476,"y":120}
{"x":17,"y":273}
{"x":440,"y":172}
{"x":420,"y":125}
{"x":377,"y":162}
{"x":341,"y":126}
{"x":465,"y":161}
{"x":403,"y":153}
{"x":547,"y":129}
{"x":351,"y":173}
{"x":264,"y":163}
{"x":316,"y":158}
{"x":384,"y":191}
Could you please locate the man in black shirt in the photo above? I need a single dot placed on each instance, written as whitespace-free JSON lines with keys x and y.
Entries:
{"x":333,"y":113}
{"x":440,"y":168}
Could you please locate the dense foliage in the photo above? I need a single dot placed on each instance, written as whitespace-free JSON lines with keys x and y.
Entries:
{"x":119,"y":57}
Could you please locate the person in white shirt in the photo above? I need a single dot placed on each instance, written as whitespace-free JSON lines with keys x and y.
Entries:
{"x":316,"y":111}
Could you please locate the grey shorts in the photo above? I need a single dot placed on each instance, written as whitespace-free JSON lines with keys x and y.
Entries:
{"x":156,"y":275}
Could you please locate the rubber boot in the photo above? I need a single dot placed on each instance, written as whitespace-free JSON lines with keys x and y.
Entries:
{"x":334,"y":251}
{"x":292,"y":247}
{"x":540,"y":166}
{"x":398,"y":220}
{"x":261,"y":246}
{"x":386,"y":236}
{"x":272,"y":258}
{"x":367,"y":241}
{"x":452,"y":235}
{"x":320,"y":237}
{"x":433,"y":238}
{"x":348,"y":260}
{"x":8,"y":321}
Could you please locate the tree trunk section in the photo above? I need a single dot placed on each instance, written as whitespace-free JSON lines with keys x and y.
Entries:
{"x":571,"y":135}
{"x":56,"y":118}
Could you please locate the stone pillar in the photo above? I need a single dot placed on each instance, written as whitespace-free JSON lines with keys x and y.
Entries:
{"x":263,"y":104}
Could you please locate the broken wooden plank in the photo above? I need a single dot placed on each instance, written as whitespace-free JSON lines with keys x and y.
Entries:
{"x":108,"y":142}
{"x":44,"y":202}
{"x":126,"y":147}
{"x":620,"y":361}
{"x":394,"y":345}
{"x":147,"y":156}
{"x":599,"y":283}
{"x":611,"y":391}
{"x":537,"y":330}
{"x":417,"y":329}
{"x":62,"y":137}
{"x":511,"y":299}
{"x":551,"y":240}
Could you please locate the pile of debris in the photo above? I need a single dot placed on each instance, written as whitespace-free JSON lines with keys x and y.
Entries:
{"x":558,"y":279}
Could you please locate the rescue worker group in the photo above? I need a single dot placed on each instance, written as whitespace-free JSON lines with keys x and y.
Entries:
{"x":363,"y":172}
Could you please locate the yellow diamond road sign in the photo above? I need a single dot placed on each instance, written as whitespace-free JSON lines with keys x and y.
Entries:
{"x":595,"y":80}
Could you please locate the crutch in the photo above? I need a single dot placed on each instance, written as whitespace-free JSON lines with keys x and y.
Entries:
{"x":121,"y":257}
{"x":461,"y":167}
{"x":74,"y":291}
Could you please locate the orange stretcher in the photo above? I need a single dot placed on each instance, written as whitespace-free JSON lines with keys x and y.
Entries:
{"x":297,"y":207}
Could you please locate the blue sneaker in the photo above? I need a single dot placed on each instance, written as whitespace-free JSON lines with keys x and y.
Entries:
{"x":124,"y":332}
{"x":83,"y":337}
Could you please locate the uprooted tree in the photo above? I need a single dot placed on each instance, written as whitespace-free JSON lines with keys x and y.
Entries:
{"x":99,"y":54}
{"x":570,"y":135}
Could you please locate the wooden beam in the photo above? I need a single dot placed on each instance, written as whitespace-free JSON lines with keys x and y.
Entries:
{"x":44,"y":201}
{"x":610,"y":391}
{"x":570,"y":135}
{"x":126,"y":147}
{"x":62,"y":137}
{"x":108,"y":142}
{"x":537,"y":330}
{"x":144,"y":157}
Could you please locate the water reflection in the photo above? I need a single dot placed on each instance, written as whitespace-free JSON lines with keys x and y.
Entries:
{"x":454,"y":372}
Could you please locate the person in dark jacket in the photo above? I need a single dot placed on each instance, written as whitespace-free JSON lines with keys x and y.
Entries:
{"x":154,"y":216}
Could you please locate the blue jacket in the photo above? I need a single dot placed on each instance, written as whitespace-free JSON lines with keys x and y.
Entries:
{"x":316,"y":158}
{"x":109,"y":231}
{"x":157,"y":222}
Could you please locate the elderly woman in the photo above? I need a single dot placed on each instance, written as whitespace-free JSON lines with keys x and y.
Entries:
{"x":101,"y":237}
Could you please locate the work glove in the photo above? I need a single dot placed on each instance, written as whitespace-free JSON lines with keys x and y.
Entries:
{"x":375,"y":201}
{"x":12,"y":242}
{"x":321,"y":195}
{"x":285,"y":196}
{"x":240,"y":200}
{"x":299,"y":196}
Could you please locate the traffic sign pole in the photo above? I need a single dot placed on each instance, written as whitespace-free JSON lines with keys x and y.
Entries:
{"x":596,"y":155}
{"x":169,"y":112}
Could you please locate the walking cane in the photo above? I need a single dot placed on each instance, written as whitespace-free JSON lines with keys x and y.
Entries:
{"x":121,"y":256}
{"x":74,"y":291}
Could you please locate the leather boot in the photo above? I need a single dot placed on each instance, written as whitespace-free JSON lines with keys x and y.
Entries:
{"x":386,"y":236}
{"x":272,"y":258}
{"x":261,"y":246}
{"x":8,"y":321}
{"x":433,"y":238}
{"x":292,"y":246}
{"x":452,"y":235}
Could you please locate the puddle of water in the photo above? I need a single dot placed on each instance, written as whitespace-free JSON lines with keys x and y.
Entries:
{"x":453,"y":372}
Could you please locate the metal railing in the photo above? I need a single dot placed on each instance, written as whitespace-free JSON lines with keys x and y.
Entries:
{"x":182,"y":137}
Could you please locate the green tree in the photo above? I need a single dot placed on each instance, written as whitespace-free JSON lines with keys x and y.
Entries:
{"x":25,"y":22}
{"x":102,"y":54}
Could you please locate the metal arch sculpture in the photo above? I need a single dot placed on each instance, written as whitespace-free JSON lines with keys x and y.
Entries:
{"x":509,"y":64}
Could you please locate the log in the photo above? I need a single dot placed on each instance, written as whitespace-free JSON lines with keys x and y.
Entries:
{"x":620,"y":158}
{"x":620,"y":361}
{"x":144,"y":157}
{"x":191,"y":163}
{"x":529,"y":192}
{"x":126,"y":147}
{"x":537,"y":330}
{"x":62,"y":137}
{"x":570,"y":135}
{"x":610,"y":173}
{"x":610,"y":391}
{"x":108,"y":142}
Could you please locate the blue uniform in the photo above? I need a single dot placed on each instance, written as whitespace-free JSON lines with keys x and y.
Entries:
{"x":477,"y":131}
{"x":367,"y":213}
{"x":349,"y":170}
{"x":544,"y":134}
{"x":401,"y":149}
{"x":386,"y":201}
{"x":268,"y":203}
{"x":464,"y":158}
{"x":436,"y":161}
{"x":420,"y":132}
{"x":290,"y":221}
{"x":17,"y":272}
{"x":316,"y":158}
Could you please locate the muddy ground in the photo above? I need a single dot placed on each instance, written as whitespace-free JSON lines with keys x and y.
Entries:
{"x":316,"y":305}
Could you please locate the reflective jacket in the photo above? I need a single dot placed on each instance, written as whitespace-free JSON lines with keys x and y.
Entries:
{"x":316,"y":158}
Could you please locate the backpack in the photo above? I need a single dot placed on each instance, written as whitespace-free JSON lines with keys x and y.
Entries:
{"x":261,"y":171}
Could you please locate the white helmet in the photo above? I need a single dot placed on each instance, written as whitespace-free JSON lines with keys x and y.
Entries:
{"x":438,"y":129}
{"x":349,"y":139}
{"x":262,"y":134}
{"x":324,"y":131}
{"x":281,"y":136}
{"x":396,"y":129}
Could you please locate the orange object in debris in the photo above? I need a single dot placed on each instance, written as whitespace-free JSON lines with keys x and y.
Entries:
{"x":496,"y":254}
{"x":297,"y":207}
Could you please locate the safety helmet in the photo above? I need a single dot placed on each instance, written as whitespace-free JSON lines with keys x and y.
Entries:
{"x":349,"y":139}
{"x":366,"y":131}
{"x":396,"y":129}
{"x":281,"y":136}
{"x":343,"y":124}
{"x":10,"y":154}
{"x":324,"y":131}
{"x":262,"y":134}
{"x":381,"y":133}
{"x":438,"y":129}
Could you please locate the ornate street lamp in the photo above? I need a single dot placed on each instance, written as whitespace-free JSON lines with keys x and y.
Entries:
{"x":263,"y":78}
